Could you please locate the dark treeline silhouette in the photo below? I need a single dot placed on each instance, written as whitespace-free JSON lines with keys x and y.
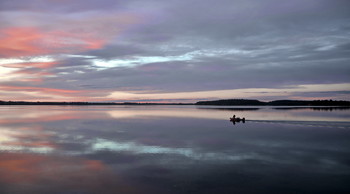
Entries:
{"x":50,"y":103}
{"x":227,"y":102}
{"x":85,"y":103}
{"x":244,"y":102}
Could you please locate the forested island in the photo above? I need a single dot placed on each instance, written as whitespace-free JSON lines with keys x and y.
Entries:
{"x":227,"y":102}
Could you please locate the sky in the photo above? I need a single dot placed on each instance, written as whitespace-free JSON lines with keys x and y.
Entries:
{"x":174,"y":50}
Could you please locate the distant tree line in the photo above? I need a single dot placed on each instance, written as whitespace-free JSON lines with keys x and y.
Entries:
{"x":245,"y":102}
{"x":51,"y":103}
{"x":84,"y":103}
{"x":227,"y":102}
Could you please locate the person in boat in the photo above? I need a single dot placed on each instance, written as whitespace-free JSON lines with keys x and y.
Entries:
{"x":237,"y":119}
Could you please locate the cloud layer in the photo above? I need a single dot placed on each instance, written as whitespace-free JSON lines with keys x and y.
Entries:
{"x":138,"y":50}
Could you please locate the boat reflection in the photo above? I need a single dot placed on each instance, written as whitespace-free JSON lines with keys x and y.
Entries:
{"x":235,"y":119}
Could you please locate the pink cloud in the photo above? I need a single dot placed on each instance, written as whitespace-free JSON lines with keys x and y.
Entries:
{"x":29,"y":41}
{"x":66,"y":35}
{"x":21,"y":41}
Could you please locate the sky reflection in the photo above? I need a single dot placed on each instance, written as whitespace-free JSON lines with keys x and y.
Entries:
{"x":156,"y":149}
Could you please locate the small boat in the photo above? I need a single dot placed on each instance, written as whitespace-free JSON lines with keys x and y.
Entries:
{"x":237,"y":119}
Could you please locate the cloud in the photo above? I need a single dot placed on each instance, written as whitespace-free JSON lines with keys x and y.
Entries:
{"x":174,"y":47}
{"x":60,"y":6}
{"x":21,"y":42}
{"x":263,"y":93}
{"x":71,"y":33}
{"x":39,"y":93}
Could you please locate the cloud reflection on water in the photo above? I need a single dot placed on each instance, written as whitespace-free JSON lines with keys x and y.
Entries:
{"x":223,"y":113}
{"x":138,"y":149}
{"x":133,"y":148}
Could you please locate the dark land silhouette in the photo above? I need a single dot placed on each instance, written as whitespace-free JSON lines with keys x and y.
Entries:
{"x":85,"y":103}
{"x":245,"y":102}
{"x":227,"y":102}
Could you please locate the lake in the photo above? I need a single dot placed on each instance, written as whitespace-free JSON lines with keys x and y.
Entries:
{"x":173,"y":149}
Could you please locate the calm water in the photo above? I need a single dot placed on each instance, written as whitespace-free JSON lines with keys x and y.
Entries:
{"x":173,"y":149}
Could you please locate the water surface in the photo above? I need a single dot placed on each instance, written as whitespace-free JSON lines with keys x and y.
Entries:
{"x":173,"y":149}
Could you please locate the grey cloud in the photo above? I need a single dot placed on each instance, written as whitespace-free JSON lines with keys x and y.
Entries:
{"x":117,"y":51}
{"x":227,"y":20}
{"x":59,"y":6}
{"x":215,"y":75}
{"x":272,"y":44}
{"x":335,"y":95}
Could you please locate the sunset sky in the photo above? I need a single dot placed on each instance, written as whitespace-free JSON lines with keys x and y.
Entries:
{"x":174,"y":50}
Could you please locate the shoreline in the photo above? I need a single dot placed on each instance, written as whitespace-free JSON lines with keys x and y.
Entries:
{"x":229,"y":102}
